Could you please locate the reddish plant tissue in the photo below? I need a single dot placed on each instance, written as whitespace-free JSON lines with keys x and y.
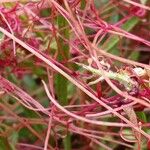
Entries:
{"x":49,"y":97}
{"x":148,"y":145}
{"x":138,"y":12}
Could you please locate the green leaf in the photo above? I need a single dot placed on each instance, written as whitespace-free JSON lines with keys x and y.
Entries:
{"x":128,"y":134}
{"x":134,"y":55}
{"x":1,"y":36}
{"x":141,"y":116}
{"x":67,"y":143}
{"x":4,"y":144}
{"x":29,"y":82}
{"x":25,"y":134}
{"x":61,"y":83}
{"x":13,"y":139}
{"x":63,"y":54}
{"x":114,"y":39}
{"x":45,"y":12}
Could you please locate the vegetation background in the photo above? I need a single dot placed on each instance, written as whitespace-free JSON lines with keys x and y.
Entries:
{"x":74,"y":74}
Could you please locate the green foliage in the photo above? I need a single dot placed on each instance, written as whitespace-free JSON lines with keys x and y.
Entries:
{"x":4,"y":144}
{"x":47,"y":26}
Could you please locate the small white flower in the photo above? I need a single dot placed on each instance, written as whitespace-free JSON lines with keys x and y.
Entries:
{"x":139,"y":71}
